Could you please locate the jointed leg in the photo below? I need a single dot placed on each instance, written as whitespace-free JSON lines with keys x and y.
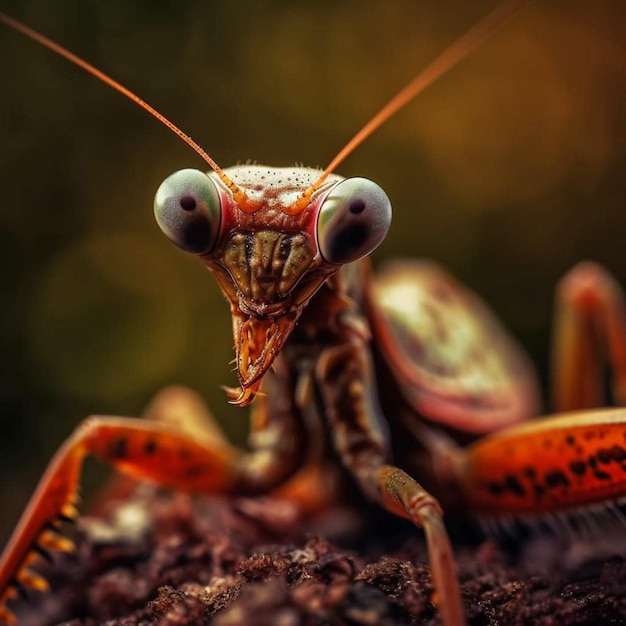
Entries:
{"x":177,"y":451}
{"x":405,"y":497}
{"x":141,"y":448}
{"x":312,"y":487}
{"x":569,"y":460}
{"x":179,"y":407}
{"x":589,"y":329}
{"x":548,"y":465}
{"x":316,"y":485}
{"x":345,"y":374}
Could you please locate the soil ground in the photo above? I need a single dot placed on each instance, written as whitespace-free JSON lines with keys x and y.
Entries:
{"x":169,"y":559}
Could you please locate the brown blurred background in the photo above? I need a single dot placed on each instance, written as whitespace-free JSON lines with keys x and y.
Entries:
{"x":508,"y":171}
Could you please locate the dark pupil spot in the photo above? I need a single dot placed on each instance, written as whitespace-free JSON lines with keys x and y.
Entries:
{"x":347,"y":242}
{"x":357,"y":206}
{"x":188,"y":203}
{"x":196,"y":236}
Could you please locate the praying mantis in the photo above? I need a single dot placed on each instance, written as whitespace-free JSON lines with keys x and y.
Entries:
{"x":455,"y":613}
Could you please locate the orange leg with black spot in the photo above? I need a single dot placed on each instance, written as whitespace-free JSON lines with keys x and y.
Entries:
{"x":179,"y":407}
{"x":313,"y":487}
{"x":574,"y":459}
{"x":141,"y":448}
{"x":559,"y":463}
{"x":184,"y":449}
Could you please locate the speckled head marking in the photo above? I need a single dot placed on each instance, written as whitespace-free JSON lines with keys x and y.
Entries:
{"x":269,"y":262}
{"x":261,"y":261}
{"x":272,"y":236}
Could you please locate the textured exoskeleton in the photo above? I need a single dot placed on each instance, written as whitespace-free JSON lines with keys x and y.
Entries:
{"x":347,"y":368}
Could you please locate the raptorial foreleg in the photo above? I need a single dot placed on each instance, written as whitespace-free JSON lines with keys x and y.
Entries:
{"x":345,"y":374}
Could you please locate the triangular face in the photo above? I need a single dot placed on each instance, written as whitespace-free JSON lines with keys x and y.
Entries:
{"x":268,"y":266}
{"x":272,"y":238}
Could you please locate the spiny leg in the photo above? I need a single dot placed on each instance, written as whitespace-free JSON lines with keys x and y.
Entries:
{"x":189,"y":458}
{"x":589,"y":328}
{"x":345,"y":374}
{"x":141,"y":448}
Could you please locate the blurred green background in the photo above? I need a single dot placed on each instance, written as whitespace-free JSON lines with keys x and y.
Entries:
{"x":508,"y":171}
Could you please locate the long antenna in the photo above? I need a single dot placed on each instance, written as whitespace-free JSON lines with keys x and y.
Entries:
{"x":453,"y":55}
{"x":240,"y":197}
{"x":448,"y":59}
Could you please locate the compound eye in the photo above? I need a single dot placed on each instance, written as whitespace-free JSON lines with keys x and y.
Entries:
{"x":187,"y":209}
{"x":353,"y":220}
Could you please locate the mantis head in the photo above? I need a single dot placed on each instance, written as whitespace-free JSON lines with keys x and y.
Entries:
{"x":269,"y":251}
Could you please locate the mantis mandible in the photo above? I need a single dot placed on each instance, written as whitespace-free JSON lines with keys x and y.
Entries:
{"x":287,"y":247}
